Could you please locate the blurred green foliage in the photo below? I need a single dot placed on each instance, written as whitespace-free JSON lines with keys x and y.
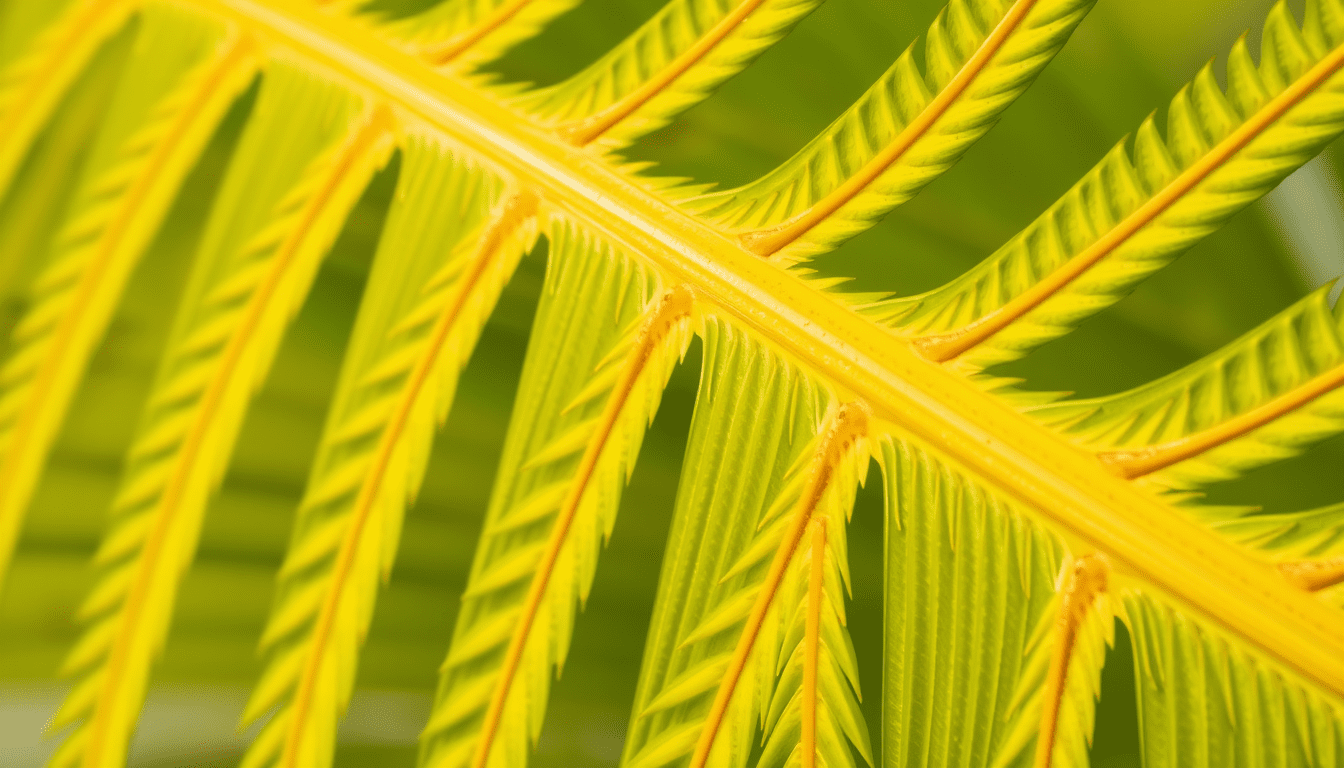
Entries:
{"x":1127,"y":59}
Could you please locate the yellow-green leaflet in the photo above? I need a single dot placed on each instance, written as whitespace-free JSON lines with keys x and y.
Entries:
{"x":605,"y":340}
{"x":1017,"y":528}
{"x":158,"y":123}
{"x":431,"y":294}
{"x":289,"y":187}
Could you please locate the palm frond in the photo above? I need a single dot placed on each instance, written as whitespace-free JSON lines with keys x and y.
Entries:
{"x":289,"y":188}
{"x":905,"y":131}
{"x":435,"y":284}
{"x":1016,"y":533}
{"x":606,"y":338}
{"x":184,"y":72}
{"x":1130,"y":216}
{"x":1052,"y":713}
{"x":733,"y":474}
{"x":45,"y":183}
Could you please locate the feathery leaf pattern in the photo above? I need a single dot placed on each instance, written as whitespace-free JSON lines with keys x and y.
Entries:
{"x":1264,"y":397}
{"x":32,"y":86}
{"x":374,"y":451}
{"x":1016,"y":531}
{"x":1132,"y":215}
{"x":907,"y":129}
{"x":823,"y":490}
{"x":557,"y":496}
{"x":248,"y":280}
{"x":1055,"y":703}
{"x":130,"y":183}
{"x":667,"y":65}
{"x":734,"y":471}
{"x":962,"y":564}
{"x":463,"y":34}
{"x":1204,"y":702}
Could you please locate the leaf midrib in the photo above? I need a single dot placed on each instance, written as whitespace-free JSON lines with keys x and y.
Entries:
{"x":1144,"y":538}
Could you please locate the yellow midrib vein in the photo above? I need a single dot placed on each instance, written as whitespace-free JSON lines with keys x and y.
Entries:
{"x":1030,"y":464}
{"x":812,"y":643}
{"x":210,"y":401}
{"x":512,"y":214}
{"x":1085,"y":581}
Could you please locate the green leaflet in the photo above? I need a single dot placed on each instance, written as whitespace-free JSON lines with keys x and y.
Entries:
{"x":32,"y":84}
{"x":810,"y":621}
{"x":49,"y":176}
{"x":734,"y":471}
{"x":670,"y":63}
{"x":1311,"y":534}
{"x":183,"y":73}
{"x":1291,"y":365}
{"x":21,"y":22}
{"x":968,"y":579}
{"x":289,"y":186}
{"x":434,"y":284}
{"x":1074,"y":710}
{"x":1132,"y":215}
{"x":1208,"y":703}
{"x":602,"y":348}
{"x":906,"y":130}
{"x":464,"y":34}
{"x":748,"y":659}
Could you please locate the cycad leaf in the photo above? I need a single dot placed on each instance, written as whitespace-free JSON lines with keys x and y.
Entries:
{"x":1132,"y":215}
{"x":814,"y":714}
{"x":1205,"y":702}
{"x":754,"y":582}
{"x":969,"y":577}
{"x":1052,"y":713}
{"x":909,"y":128}
{"x":670,"y":63}
{"x":443,"y":260}
{"x":183,"y":73}
{"x":45,"y":183}
{"x":732,"y":473}
{"x":32,"y":85}
{"x":598,"y":307}
{"x":464,"y":34}
{"x":294,"y":177}
{"x":1262,"y":398}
